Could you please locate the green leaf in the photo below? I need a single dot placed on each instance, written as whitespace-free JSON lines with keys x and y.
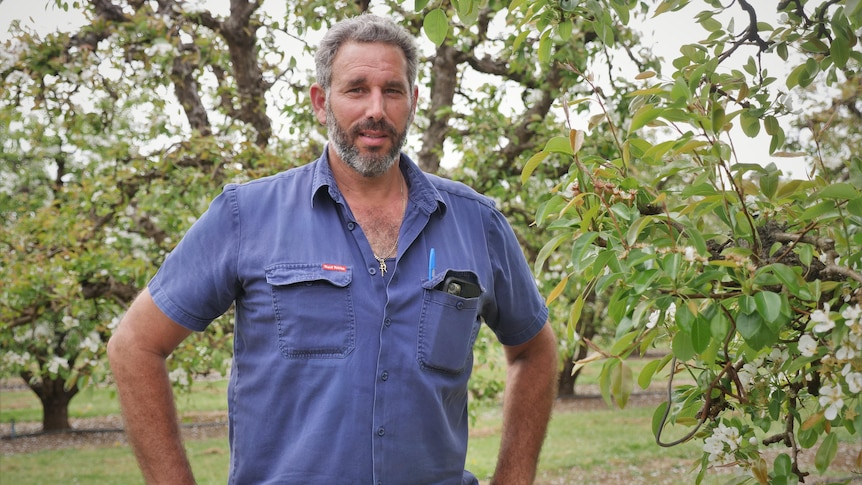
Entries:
{"x":750,"y":124}
{"x":768,"y":305}
{"x":685,"y":318}
{"x":826,"y":453}
{"x":644,"y":115}
{"x":564,"y":29}
{"x":700,"y":335}
{"x":622,"y":384}
{"x":532,"y":163}
{"x":816,"y":211}
{"x":681,"y":346}
{"x":545,"y":47}
{"x":468,"y":11}
{"x":575,"y":316}
{"x":582,"y":246}
{"x":419,"y":5}
{"x":840,"y":51}
{"x":658,"y":418}
{"x":783,"y":465}
{"x":436,"y":26}
{"x":624,"y":343}
{"x":635,"y":229}
{"x":605,"y":378}
{"x":520,"y":39}
{"x":547,"y":250}
{"x":838,"y":191}
{"x":755,"y":331}
{"x":793,"y":79}
{"x":647,"y":373}
{"x":559,"y":144}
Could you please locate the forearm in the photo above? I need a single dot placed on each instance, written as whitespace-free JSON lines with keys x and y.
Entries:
{"x":137,"y":352}
{"x":150,"y":417}
{"x":528,"y":401}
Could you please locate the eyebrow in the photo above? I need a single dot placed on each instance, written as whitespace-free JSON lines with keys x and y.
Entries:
{"x":364,"y":80}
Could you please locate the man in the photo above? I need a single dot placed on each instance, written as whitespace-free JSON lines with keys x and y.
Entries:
{"x":360,"y":284}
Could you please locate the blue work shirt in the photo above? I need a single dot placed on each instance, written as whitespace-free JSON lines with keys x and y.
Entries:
{"x":341,"y":374}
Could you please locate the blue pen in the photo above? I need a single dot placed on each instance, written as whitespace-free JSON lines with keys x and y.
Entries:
{"x":431,"y":264}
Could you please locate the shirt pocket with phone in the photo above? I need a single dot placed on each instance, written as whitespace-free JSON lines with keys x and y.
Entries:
{"x":313,"y":309}
{"x":449,"y":321}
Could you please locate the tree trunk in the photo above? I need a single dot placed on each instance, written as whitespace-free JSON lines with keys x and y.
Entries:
{"x":55,"y":400}
{"x":566,"y":383}
{"x":588,"y":328}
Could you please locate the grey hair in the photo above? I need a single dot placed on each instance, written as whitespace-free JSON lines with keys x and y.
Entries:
{"x":365,"y":28}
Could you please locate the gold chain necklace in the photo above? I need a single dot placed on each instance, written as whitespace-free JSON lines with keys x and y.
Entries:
{"x":391,"y":252}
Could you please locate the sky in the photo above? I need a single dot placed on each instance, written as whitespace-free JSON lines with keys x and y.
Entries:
{"x":663,"y":33}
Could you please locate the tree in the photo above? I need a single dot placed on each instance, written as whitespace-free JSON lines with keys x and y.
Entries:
{"x":116,"y":137}
{"x":752,"y":280}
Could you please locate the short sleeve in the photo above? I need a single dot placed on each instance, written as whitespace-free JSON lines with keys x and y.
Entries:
{"x":518,"y":311}
{"x":197,"y":282}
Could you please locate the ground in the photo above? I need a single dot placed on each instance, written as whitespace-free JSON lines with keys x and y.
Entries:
{"x":107,"y":431}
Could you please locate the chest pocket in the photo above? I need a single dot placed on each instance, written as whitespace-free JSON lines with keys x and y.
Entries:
{"x":448,"y":326}
{"x":313,"y":309}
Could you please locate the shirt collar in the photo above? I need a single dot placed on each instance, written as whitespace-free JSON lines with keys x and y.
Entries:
{"x":422,"y":192}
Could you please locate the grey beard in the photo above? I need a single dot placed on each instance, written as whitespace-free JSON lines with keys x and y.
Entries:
{"x":370,"y":165}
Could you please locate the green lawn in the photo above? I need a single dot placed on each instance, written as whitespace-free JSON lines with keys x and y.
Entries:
{"x":586,"y":443}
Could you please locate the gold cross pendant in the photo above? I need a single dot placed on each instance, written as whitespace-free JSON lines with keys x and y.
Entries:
{"x":382,"y":265}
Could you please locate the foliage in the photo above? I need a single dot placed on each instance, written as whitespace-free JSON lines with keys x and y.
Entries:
{"x":751,"y":279}
{"x":100,"y":179}
{"x":115,"y":138}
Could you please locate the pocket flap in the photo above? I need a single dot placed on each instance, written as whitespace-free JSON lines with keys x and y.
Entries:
{"x":284,"y":274}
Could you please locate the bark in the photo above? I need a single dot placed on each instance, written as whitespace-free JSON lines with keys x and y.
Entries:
{"x":444,"y":79}
{"x":55,"y":400}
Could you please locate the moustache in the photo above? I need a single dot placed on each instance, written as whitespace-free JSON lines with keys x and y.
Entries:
{"x":372,"y":125}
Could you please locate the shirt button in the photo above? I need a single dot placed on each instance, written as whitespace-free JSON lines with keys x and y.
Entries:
{"x":381,"y":431}
{"x":351,"y":226}
{"x":459,"y":305}
{"x":372,"y":270}
{"x":384,"y":375}
{"x":387,"y":322}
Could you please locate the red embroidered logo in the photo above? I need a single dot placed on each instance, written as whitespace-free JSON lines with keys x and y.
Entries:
{"x":335,"y":267}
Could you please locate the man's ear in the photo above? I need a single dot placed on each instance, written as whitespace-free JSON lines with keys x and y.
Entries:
{"x":318,"y":102}
{"x":415,"y":98}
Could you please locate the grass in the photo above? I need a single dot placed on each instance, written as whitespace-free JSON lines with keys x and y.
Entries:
{"x":576,"y":440}
{"x":596,"y":445}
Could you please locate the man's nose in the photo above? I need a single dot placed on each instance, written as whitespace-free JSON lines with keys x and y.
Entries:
{"x":376,"y":107}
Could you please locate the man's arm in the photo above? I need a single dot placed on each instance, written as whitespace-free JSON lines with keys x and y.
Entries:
{"x":137,"y":352}
{"x":531,"y":387}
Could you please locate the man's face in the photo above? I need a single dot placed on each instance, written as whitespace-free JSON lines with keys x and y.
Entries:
{"x":369,"y":106}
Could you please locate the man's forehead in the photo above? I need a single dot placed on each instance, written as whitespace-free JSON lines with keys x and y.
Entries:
{"x":357,"y":63}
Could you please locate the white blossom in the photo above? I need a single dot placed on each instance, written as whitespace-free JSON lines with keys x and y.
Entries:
{"x":847,"y":350}
{"x":822,"y":321}
{"x":690,"y":254}
{"x":807,"y":346}
{"x":91,"y":343}
{"x":779,"y":357}
{"x":854,"y":382}
{"x":725,"y":440}
{"x":13,"y":359}
{"x":748,"y":372}
{"x":70,"y":322}
{"x":179,"y":376}
{"x":853,"y":319}
{"x":852,"y":314}
{"x":652,"y":321}
{"x":55,"y":364}
{"x":832,"y":399}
